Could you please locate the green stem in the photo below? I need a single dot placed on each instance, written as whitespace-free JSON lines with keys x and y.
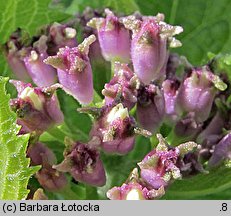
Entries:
{"x":175,"y":140}
{"x":112,"y":69}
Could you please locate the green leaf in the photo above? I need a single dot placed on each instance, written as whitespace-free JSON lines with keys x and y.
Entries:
{"x":201,"y":186}
{"x":26,"y":14}
{"x":79,"y":124}
{"x":206,"y":24}
{"x":14,"y":166}
{"x":75,"y":6}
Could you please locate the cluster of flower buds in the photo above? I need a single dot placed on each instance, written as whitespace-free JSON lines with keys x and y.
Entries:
{"x":25,"y":56}
{"x":157,"y":170}
{"x":158,"y":88}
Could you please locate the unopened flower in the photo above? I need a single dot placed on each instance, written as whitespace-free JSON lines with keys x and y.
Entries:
{"x":187,"y":126}
{"x":36,"y":152}
{"x":74,"y":70}
{"x":114,"y":39}
{"x":134,"y":190}
{"x":49,"y":178}
{"x":61,"y":35}
{"x":159,"y":167}
{"x":170,"y":90}
{"x":84,"y":164}
{"x":197,"y":92}
{"x":149,"y":51}
{"x":41,"y":73}
{"x":221,"y":152}
{"x":123,"y":85}
{"x":37,"y":108}
{"x":114,"y":129}
{"x":150,"y":107}
{"x":14,"y":55}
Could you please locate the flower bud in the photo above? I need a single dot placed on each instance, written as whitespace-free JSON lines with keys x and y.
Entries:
{"x":114,"y":130}
{"x":41,"y":73}
{"x":84,"y":164}
{"x":197,"y":92}
{"x":134,"y":190}
{"x":114,"y":39}
{"x":37,"y":108}
{"x":123,"y":84}
{"x":150,"y":107}
{"x":14,"y":56}
{"x":187,"y":126}
{"x":159,"y":167}
{"x":49,"y":178}
{"x":221,"y":152}
{"x":36,"y":152}
{"x":60,"y":36}
{"x":74,"y":70}
{"x":149,"y":45}
{"x":170,"y":90}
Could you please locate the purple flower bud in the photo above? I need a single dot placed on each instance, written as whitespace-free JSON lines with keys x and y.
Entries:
{"x":134,"y":190}
{"x":187,"y":126}
{"x":37,"y":108}
{"x":41,"y":73}
{"x":60,"y":36}
{"x":197,"y":92}
{"x":14,"y":58}
{"x":123,"y":84}
{"x":114,"y":39}
{"x":170,"y":89}
{"x":36,"y":152}
{"x":159,"y":167}
{"x":150,"y":107}
{"x":49,"y":178}
{"x":84,"y":164}
{"x":149,"y":45}
{"x":115,"y":129}
{"x":221,"y":152}
{"x":214,"y":128}
{"x":74,"y":70}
